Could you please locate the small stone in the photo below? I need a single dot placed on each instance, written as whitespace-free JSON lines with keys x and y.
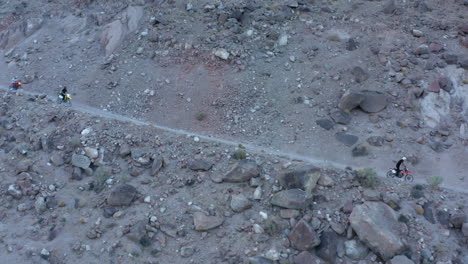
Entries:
{"x":86,"y":131}
{"x":257,"y":195}
{"x":283,"y":40}
{"x":14,"y":191}
{"x":80,"y":161}
{"x":139,"y":50}
{"x":122,"y":195}
{"x":147,"y":199}
{"x":417,"y":33}
{"x":187,"y":251}
{"x":272,"y":254}
{"x":203,"y":222}
{"x":45,"y":252}
{"x":222,"y":53}
{"x":289,"y":213}
{"x":92,"y":153}
{"x":355,"y":249}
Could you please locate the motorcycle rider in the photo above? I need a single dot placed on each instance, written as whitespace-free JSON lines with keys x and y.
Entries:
{"x":398,"y":165}
{"x":63,"y":93}
{"x":15,"y":83}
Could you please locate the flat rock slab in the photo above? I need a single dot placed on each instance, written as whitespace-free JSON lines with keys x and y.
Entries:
{"x":377,"y":226}
{"x":243,"y":171}
{"x":291,"y":199}
{"x":122,"y":195}
{"x":200,"y":165}
{"x":326,"y":124}
{"x":203,"y":222}
{"x":346,"y":139}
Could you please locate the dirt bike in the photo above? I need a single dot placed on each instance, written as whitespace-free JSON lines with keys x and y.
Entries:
{"x":405,"y":173}
{"x":66,"y":99}
{"x":16,"y":85}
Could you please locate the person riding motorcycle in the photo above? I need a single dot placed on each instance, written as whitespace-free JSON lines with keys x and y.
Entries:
{"x":398,"y":165}
{"x":64,"y":95}
{"x":15,"y":83}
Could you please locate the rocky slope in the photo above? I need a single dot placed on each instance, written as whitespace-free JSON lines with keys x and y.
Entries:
{"x":80,"y":188}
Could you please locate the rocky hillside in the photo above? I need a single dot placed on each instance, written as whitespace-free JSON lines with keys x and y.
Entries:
{"x":77,"y":188}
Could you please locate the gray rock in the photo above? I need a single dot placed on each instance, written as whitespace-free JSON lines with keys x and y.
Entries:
{"x":340,"y":117}
{"x":351,"y":44}
{"x":203,"y":222}
{"x":260,"y":260}
{"x":326,"y":124}
{"x":360,"y":151}
{"x":377,"y":226}
{"x":327,"y":248}
{"x":158,"y":164}
{"x":400,"y":259}
{"x":392,"y":200}
{"x":15,"y":191}
{"x":56,"y":159}
{"x":373,"y":101}
{"x":124,"y":150}
{"x":40,"y":205}
{"x":463,"y":62}
{"x":239,"y":203}
{"x":437,"y":146}
{"x":376,"y":141}
{"x":291,"y":199}
{"x":326,"y":181}
{"x":92,"y":153}
{"x":137,"y":233}
{"x":429,"y":212}
{"x":350,"y":100}
{"x":51,"y":202}
{"x":80,"y":161}
{"x":306,"y":257}
{"x":23,"y":166}
{"x":304,"y":178}
{"x":389,"y":7}
{"x":200,"y":165}
{"x":187,"y":251}
{"x":243,"y":171}
{"x":141,"y":155}
{"x":122,"y":195}
{"x":303,"y":237}
{"x":465,"y":229}
{"x":355,"y":250}
{"x":359,"y":74}
{"x":421,"y":50}
{"x":457,"y":220}
{"x":371,"y":195}
{"x":450,"y":58}
{"x":338,"y":228}
{"x":346,"y":139}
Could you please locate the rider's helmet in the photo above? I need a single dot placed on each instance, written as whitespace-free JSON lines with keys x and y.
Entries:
{"x":404,"y":158}
{"x":393,"y":171}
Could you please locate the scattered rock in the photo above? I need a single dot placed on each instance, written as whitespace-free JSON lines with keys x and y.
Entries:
{"x":187,"y":251}
{"x":377,"y":226}
{"x":340,"y":117}
{"x":346,"y":139}
{"x":326,"y":124}
{"x":389,"y":7}
{"x":400,"y":259}
{"x":56,"y":159}
{"x":450,"y":58}
{"x":239,"y":203}
{"x":80,"y":161}
{"x":292,"y":199}
{"x":359,"y":74}
{"x":355,"y":249}
{"x":373,"y":102}
{"x":457,"y":220}
{"x":306,"y":257}
{"x":203,"y":222}
{"x":326,"y":180}
{"x":222,"y":53}
{"x":15,"y":191}
{"x":360,"y":151}
{"x":327,"y":248}
{"x":376,"y":141}
{"x":304,"y":178}
{"x":350,"y":100}
{"x":122,"y":195}
{"x":243,"y":171}
{"x":200,"y":165}
{"x":417,"y":33}
{"x":303,"y":237}
{"x":371,"y":195}
{"x":351,"y":44}
{"x":92,"y":153}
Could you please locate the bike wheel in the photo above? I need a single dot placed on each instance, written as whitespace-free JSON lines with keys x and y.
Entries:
{"x":390,"y":174}
{"x":409,"y":178}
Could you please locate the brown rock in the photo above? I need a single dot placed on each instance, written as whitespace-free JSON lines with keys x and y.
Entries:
{"x":303,"y":237}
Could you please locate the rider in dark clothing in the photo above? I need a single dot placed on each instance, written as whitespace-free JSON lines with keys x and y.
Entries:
{"x":398,"y":165}
{"x":63,"y":93}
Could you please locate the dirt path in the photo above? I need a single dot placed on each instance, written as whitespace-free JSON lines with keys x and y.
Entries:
{"x":252,"y":148}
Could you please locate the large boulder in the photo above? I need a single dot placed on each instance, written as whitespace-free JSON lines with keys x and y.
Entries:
{"x":377,"y":226}
{"x":122,"y":195}
{"x":291,"y":199}
{"x":304,"y":178}
{"x":203,"y":222}
{"x":303,"y":237}
{"x":243,"y":171}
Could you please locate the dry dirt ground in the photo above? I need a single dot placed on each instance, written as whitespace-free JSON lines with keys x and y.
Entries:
{"x":260,"y":73}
